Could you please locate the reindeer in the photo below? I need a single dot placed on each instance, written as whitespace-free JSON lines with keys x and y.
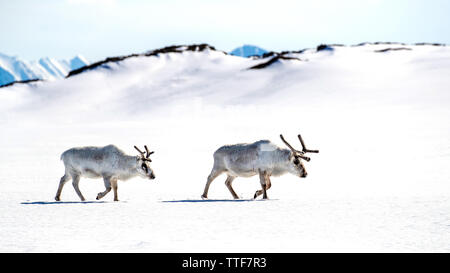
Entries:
{"x":263,"y":158}
{"x":108,"y":162}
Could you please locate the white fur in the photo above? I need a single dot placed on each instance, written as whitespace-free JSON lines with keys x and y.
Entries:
{"x":245,"y":160}
{"x":108,"y":162}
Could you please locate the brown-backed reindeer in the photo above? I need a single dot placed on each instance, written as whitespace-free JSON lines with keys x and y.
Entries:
{"x":263,"y":158}
{"x":108,"y":162}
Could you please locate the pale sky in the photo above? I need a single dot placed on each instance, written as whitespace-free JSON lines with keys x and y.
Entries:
{"x":98,"y":29}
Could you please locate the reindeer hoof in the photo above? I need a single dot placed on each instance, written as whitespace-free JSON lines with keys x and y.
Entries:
{"x":204,"y":197}
{"x":57,"y":198}
{"x":257,"y":193}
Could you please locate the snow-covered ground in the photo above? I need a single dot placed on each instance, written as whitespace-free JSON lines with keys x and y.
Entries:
{"x":381,"y":121}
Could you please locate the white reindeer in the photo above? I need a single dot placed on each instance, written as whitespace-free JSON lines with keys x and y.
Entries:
{"x":261,"y":157}
{"x":108,"y":162}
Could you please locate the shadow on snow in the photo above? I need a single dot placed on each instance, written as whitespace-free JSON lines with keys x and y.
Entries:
{"x":213,"y":200}
{"x":61,"y":202}
{"x":164,"y":201}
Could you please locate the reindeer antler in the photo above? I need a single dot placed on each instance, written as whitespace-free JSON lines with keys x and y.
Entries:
{"x":304,"y":146}
{"x":296,"y":152}
{"x":148,"y":153}
{"x":141,"y":152}
{"x":144,"y":157}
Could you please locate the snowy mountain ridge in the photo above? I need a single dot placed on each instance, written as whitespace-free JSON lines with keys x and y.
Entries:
{"x":13,"y":69}
{"x":155,"y":52}
{"x":262,"y":57}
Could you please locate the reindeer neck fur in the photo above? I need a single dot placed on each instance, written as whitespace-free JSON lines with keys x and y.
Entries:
{"x":130,"y":163}
{"x":273,"y":159}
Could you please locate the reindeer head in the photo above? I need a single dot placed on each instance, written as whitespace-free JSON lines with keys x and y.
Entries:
{"x":143,"y":163}
{"x":296,"y":166}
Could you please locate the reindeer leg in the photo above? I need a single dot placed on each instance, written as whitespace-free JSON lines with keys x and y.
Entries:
{"x":228,"y":183}
{"x":214,"y":174}
{"x":75,"y":181}
{"x":257,"y":193}
{"x":268,"y":182}
{"x":114,"y":186}
{"x":107,"y":181}
{"x":66,"y":177}
{"x":262,"y":180}
{"x":268,"y":185}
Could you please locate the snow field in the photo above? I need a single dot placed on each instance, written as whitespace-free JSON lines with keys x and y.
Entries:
{"x":379,"y":183}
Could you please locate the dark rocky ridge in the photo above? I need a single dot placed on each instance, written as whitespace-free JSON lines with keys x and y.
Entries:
{"x":273,"y":60}
{"x":274,"y":56}
{"x":323,"y":47}
{"x":392,"y":43}
{"x":155,"y":52}
{"x":21,"y":82}
{"x":392,"y":49}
